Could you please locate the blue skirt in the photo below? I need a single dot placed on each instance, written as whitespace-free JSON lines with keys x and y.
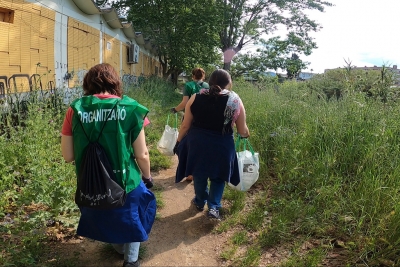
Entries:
{"x":208,"y":154}
{"x":129,"y":223}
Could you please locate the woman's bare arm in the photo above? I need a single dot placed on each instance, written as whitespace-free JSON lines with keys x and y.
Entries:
{"x":187,"y":119}
{"x":67,"y":148}
{"x":142,"y":154}
{"x":241,"y":125}
{"x":183,"y":103}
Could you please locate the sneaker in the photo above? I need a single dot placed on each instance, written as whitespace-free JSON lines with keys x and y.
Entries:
{"x":193,"y":204}
{"x":213,"y":214}
{"x":131,"y":264}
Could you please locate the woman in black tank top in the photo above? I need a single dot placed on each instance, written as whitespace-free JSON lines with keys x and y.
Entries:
{"x":205,"y":145}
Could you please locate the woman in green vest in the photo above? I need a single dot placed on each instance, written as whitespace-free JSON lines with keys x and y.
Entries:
{"x":123,"y":140}
{"x":192,"y":87}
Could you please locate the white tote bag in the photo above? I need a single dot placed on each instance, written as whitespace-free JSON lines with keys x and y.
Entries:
{"x":168,"y":138}
{"x":248,"y":164}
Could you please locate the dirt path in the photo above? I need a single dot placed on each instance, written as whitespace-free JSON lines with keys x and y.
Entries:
{"x":180,"y":237}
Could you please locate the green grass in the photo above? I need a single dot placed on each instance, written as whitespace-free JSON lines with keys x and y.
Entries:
{"x":329,"y":171}
{"x":310,"y":258}
{"x":332,"y":167}
{"x":37,"y":187}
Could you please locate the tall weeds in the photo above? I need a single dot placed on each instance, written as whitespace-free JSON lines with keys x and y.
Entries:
{"x":333,"y":164}
{"x":36,"y":186}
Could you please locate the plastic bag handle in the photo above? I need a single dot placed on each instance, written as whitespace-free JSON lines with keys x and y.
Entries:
{"x":176,"y":120}
{"x":245,"y":142}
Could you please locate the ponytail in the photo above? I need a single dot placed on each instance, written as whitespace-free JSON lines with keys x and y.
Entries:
{"x":219,"y":79}
{"x":214,"y":90}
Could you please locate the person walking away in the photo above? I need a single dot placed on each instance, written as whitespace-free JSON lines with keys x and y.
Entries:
{"x":205,"y":145}
{"x":192,"y":87}
{"x":123,"y":140}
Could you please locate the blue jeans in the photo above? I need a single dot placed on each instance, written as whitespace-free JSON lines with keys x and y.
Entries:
{"x":130,"y":250}
{"x":212,"y":196}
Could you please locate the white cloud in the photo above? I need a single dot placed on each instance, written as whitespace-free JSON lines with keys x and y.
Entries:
{"x":364,"y":31}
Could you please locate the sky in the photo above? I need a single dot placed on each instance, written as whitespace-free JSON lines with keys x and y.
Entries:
{"x":366,"y":32}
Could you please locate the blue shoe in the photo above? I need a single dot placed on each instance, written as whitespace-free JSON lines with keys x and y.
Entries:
{"x":193,"y":204}
{"x":131,"y":264}
{"x":213,"y":214}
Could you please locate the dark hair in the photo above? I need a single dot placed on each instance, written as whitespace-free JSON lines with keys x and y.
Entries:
{"x":100,"y":79}
{"x":219,"y":80}
{"x":198,"y":73}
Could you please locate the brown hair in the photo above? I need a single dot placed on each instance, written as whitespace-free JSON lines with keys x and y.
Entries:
{"x":198,"y":73}
{"x":102,"y":78}
{"x":219,"y":80}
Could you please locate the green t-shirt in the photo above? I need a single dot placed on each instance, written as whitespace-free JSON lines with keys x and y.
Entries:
{"x":193,"y":87}
{"x":121,"y":130}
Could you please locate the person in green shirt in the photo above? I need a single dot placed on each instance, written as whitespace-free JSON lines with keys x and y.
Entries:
{"x":192,"y":87}
{"x":124,"y":143}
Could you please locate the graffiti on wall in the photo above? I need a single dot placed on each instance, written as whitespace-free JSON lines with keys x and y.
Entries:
{"x":129,"y":79}
{"x":75,"y":77}
{"x":15,"y":82}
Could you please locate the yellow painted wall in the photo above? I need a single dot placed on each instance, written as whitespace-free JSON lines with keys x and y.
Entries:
{"x":146,"y":65}
{"x":27,"y":47}
{"x":27,"y":44}
{"x":83,"y":50}
{"x":140,"y":66}
{"x":111,"y":53}
{"x":126,"y":68}
{"x":158,"y":65}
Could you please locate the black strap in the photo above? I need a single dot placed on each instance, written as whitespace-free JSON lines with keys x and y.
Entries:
{"x":104,"y":124}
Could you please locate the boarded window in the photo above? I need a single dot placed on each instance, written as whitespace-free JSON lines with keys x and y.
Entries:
{"x":6,"y":15}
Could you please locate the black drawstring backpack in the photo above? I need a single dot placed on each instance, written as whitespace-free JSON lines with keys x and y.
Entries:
{"x":96,"y":184}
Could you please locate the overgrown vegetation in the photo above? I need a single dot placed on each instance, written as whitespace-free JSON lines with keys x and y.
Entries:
{"x":328,"y":176}
{"x":330,"y":169}
{"x":36,"y":186}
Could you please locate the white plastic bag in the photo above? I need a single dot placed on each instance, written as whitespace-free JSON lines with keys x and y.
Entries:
{"x":168,"y":138}
{"x":249,"y":166}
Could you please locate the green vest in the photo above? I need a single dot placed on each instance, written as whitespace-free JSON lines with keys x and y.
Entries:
{"x":193,"y":87}
{"x":121,"y":130}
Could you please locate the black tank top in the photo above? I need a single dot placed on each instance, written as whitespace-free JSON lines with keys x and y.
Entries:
{"x":208,"y":113}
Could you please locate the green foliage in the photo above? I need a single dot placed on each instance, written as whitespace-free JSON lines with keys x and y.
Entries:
{"x":37,"y":187}
{"x":310,"y":259}
{"x":251,"y":258}
{"x":244,"y":22}
{"x":328,"y":170}
{"x":182,"y":32}
{"x":275,"y":54}
{"x":334,"y":165}
{"x":249,"y":64}
{"x":374,"y":84}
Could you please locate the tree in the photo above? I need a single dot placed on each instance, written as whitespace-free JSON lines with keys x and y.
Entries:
{"x":244,"y":21}
{"x":182,"y":31}
{"x":248,"y":63}
{"x":294,"y":65}
{"x":275,"y":54}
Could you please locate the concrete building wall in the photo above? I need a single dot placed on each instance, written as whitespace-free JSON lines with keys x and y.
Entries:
{"x":26,"y":45}
{"x":51,"y":44}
